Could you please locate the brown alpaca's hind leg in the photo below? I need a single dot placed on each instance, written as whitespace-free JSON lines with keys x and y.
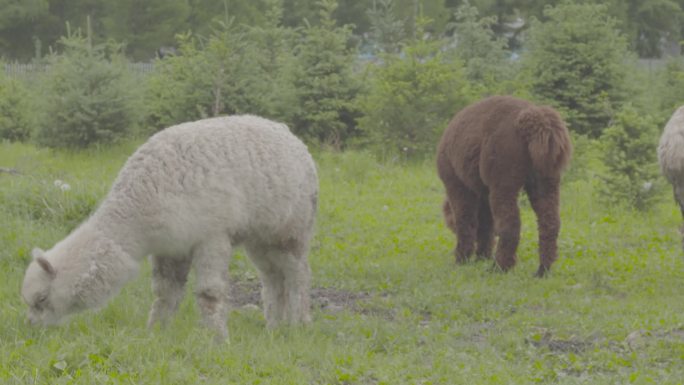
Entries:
{"x":544,"y":198}
{"x":463,"y":203}
{"x":504,"y":206}
{"x":485,"y":231}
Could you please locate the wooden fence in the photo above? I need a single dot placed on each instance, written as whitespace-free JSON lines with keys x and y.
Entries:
{"x":19,"y":70}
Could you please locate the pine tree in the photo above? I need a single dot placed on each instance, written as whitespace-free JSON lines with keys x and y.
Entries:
{"x":575,"y":61}
{"x":90,"y":98}
{"x":16,"y":122}
{"x":270,"y":55}
{"x":324,"y":83}
{"x":386,"y":30}
{"x":412,"y":96}
{"x":484,"y":54}
{"x":205,"y":79}
{"x":630,"y":157}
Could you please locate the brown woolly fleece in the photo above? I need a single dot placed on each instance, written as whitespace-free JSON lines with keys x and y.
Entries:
{"x":489,"y":152}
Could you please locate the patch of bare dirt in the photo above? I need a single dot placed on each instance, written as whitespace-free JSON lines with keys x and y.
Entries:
{"x":559,"y":345}
{"x":637,"y":339}
{"x":246,"y":293}
{"x":335,"y":300}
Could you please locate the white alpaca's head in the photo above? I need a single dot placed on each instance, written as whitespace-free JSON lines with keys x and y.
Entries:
{"x":47,"y":304}
{"x":80,"y":272}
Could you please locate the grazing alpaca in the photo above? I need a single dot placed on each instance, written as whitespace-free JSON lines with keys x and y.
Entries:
{"x":671,"y":156}
{"x":489,"y":152}
{"x":187,"y":197}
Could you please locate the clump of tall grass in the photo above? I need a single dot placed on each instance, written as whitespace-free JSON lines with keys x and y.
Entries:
{"x":44,"y":199}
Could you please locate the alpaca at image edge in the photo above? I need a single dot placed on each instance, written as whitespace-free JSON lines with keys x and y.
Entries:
{"x":490,"y":151}
{"x":671,"y":157}
{"x":187,"y":198}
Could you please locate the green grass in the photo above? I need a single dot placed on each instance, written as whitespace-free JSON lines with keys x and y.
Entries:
{"x":611,"y":312}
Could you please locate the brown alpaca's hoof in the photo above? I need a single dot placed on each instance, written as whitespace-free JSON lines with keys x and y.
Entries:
{"x":498,"y":268}
{"x":505,"y":264}
{"x":460,"y":258}
{"x":542,"y":271}
{"x":494,"y":268}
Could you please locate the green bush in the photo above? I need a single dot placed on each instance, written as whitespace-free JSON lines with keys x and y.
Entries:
{"x":587,"y":162}
{"x":412,"y":98}
{"x":203,"y":80}
{"x":236,"y":69}
{"x":90,"y":98}
{"x":271,"y":60}
{"x":672,"y":83}
{"x":387,"y":31}
{"x":630,"y":159}
{"x":575,"y":60}
{"x":16,"y":122}
{"x":325,"y":85}
{"x":484,"y":54}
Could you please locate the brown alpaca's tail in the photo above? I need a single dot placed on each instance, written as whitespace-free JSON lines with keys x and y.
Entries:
{"x":547,"y":137}
{"x":448,"y":215}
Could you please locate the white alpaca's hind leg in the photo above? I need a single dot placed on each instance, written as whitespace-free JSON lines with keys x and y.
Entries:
{"x":285,"y":277}
{"x":297,"y":288}
{"x":272,"y":291}
{"x":211,"y":260}
{"x":168,"y":284}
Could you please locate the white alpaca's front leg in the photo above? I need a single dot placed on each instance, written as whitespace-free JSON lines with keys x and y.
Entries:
{"x":211,"y":260}
{"x":169,"y":276}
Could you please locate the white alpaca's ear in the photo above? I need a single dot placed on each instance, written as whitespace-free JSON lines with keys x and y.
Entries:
{"x":39,"y":257}
{"x":37,"y":253}
{"x":46,"y":266}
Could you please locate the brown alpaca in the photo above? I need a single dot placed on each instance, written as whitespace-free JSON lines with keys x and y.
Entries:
{"x":489,"y":152}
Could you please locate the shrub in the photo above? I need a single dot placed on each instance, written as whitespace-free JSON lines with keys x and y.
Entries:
{"x":672,"y":91}
{"x":387,"y":32}
{"x":16,"y":123}
{"x":325,"y":85}
{"x":89,"y":96}
{"x":203,"y":80}
{"x":220,"y":74}
{"x":271,"y":53}
{"x":575,"y":61}
{"x":485,"y":56}
{"x":630,"y":158}
{"x":412,"y":97}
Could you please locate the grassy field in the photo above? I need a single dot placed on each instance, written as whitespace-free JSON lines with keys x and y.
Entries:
{"x":390,"y":305}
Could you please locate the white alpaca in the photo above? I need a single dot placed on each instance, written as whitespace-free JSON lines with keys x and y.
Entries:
{"x":671,"y":156}
{"x":187,"y":197}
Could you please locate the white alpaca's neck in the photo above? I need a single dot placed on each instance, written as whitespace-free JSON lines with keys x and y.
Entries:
{"x":96,"y":264}
{"x":120,"y":228}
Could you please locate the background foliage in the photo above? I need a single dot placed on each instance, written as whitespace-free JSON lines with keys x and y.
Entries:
{"x":411,"y":98}
{"x":576,"y":62}
{"x":324,"y":84}
{"x":89,"y":98}
{"x":15,"y":110}
{"x":629,"y":153}
{"x":384,"y":75}
{"x":378,"y":79}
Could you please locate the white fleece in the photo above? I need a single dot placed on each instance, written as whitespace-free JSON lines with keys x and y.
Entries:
{"x":191,"y":193}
